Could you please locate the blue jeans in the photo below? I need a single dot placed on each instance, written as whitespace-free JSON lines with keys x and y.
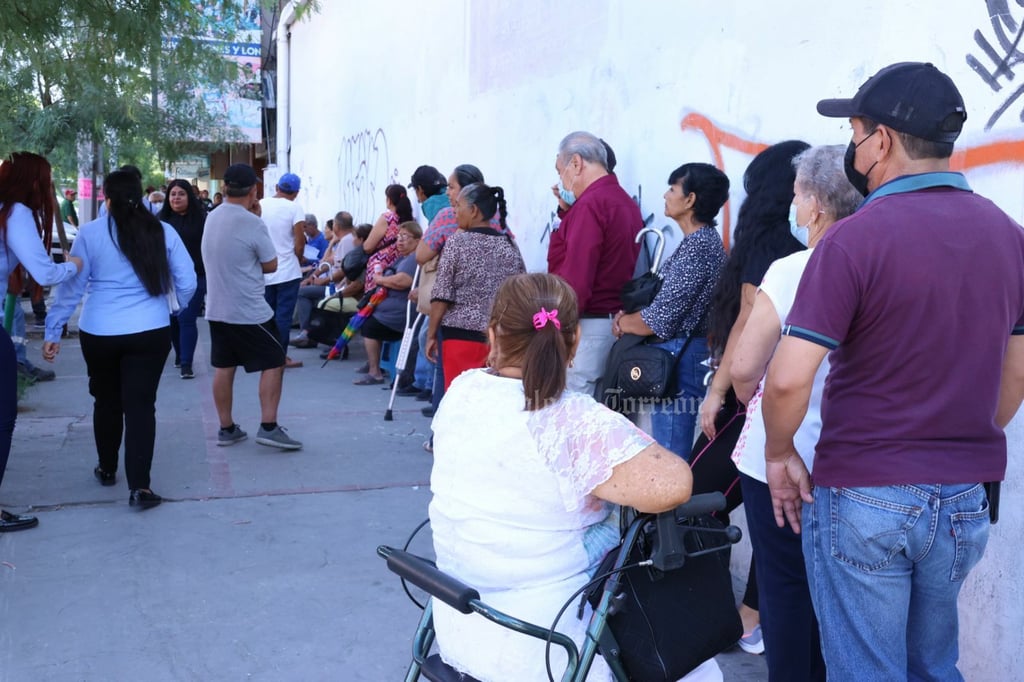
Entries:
{"x":424,"y":373}
{"x":184,"y":331}
{"x":885,"y":566}
{"x":791,"y":643}
{"x":282,"y":298}
{"x":673,"y":420}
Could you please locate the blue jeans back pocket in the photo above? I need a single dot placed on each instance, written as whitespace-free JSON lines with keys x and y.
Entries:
{"x":970,"y":531}
{"x":868,"y":531}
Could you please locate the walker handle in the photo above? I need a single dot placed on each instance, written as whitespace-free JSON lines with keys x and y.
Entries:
{"x":424,"y":575}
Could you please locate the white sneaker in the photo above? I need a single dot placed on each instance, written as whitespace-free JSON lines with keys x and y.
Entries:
{"x":752,"y":642}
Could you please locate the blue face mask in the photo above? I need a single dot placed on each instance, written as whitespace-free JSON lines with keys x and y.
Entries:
{"x":568,"y":197}
{"x":802,"y":233}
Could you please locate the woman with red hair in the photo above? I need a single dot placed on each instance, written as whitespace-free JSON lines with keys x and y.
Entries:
{"x":27,"y":206}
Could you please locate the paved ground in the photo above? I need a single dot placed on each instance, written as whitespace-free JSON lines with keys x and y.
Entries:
{"x":260,"y":565}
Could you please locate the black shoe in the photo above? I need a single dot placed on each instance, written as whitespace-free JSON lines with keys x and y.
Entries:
{"x":177,"y":363}
{"x":41,"y":374}
{"x":25,"y":375}
{"x":424,"y":395}
{"x":144,"y":499}
{"x":428,"y":411}
{"x":408,"y":390}
{"x":11,"y":522}
{"x":103,"y":477}
{"x":186,"y":372}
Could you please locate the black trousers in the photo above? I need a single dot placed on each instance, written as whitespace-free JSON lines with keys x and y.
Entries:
{"x":8,"y":397}
{"x":124,"y":373}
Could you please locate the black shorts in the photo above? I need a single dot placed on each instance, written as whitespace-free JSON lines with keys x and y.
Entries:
{"x":253,"y":346}
{"x":372,"y":329}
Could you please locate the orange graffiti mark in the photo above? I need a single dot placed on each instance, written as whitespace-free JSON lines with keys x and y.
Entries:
{"x":718,"y":138}
{"x":991,"y":154}
{"x":994,"y":153}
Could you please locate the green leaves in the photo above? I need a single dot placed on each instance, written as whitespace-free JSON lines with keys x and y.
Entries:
{"x":74,"y":71}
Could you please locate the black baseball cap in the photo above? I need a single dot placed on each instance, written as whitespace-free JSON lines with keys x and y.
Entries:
{"x":911,"y":97}
{"x":240,"y":175}
{"x":427,"y":177}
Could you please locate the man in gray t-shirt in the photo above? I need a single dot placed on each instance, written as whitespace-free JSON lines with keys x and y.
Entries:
{"x":237,"y":251}
{"x":236,"y":245}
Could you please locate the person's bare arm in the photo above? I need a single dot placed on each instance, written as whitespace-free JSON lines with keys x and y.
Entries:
{"x":653,"y":481}
{"x":299,"y":239}
{"x":424,"y":253}
{"x":380,"y":228}
{"x":755,"y":347}
{"x":787,"y":392}
{"x":631,"y":323}
{"x":437,"y":312}
{"x":1011,"y":386}
{"x":723,"y":375}
{"x":269,"y":266}
{"x":399,"y":280}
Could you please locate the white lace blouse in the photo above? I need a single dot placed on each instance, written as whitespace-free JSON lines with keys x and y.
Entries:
{"x":512,"y":515}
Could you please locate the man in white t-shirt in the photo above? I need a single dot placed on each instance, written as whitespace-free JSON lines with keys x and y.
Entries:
{"x":286,"y":222}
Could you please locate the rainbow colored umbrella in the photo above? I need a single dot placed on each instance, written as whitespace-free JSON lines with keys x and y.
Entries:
{"x":355,"y":323}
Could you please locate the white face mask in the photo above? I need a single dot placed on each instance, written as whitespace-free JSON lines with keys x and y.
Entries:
{"x":802,"y":233}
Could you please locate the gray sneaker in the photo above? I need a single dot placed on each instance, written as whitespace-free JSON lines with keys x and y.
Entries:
{"x":277,"y":438}
{"x":231,"y":436}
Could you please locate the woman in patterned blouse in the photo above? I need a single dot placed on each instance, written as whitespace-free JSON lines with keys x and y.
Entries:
{"x":474,"y":263}
{"x":678,"y":314}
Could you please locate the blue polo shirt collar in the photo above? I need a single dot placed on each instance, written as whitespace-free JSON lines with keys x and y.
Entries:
{"x":914,"y":183}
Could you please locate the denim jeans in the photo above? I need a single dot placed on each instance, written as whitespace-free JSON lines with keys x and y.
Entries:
{"x":673,"y":420}
{"x":282,"y":298}
{"x":424,"y":374}
{"x":184,"y":331}
{"x":885,"y":566}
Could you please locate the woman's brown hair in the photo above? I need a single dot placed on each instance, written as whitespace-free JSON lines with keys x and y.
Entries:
{"x":534,"y":320}
{"x":25,"y":178}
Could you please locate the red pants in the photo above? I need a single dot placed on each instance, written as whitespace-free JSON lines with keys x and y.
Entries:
{"x":457,"y":356}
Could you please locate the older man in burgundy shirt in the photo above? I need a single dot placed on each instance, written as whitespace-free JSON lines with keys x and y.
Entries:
{"x":594,"y":248}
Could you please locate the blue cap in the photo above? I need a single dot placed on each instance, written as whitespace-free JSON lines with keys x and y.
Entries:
{"x":289,"y":183}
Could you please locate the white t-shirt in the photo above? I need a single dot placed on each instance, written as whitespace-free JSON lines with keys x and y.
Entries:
{"x":281,"y":215}
{"x":779,"y":285}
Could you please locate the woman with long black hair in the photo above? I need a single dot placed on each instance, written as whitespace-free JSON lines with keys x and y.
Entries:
{"x":135,"y":270}
{"x":762,"y":236}
{"x":184,"y":211}
{"x":27,"y":205}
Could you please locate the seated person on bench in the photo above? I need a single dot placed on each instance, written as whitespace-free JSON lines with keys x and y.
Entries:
{"x":526,"y":476}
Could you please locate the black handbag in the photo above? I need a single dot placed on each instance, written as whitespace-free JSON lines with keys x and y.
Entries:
{"x":637,"y":372}
{"x":639,"y":292}
{"x":325,"y":326}
{"x":668,"y":623}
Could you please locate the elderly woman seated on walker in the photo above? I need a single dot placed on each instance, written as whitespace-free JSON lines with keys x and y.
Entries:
{"x":526,"y":477}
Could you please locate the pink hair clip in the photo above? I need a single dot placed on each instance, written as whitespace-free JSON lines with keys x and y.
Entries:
{"x":540,"y":319}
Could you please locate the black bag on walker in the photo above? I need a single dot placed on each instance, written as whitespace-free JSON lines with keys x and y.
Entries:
{"x":669,"y":623}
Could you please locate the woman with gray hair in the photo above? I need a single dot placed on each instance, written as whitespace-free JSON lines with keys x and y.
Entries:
{"x":823,"y":196}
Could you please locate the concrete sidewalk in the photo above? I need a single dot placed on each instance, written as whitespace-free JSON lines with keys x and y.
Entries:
{"x":259,"y":565}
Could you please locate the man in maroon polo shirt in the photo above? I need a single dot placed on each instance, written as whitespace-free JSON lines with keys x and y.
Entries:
{"x":919,"y":297}
{"x":594,"y":248}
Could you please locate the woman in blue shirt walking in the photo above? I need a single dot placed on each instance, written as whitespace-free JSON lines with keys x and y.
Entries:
{"x":135,"y":270}
{"x":26,"y":213}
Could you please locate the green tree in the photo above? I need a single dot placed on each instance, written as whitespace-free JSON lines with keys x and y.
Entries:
{"x":106,"y":72}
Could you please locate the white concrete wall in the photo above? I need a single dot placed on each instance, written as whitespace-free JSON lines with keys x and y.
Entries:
{"x":380,"y":88}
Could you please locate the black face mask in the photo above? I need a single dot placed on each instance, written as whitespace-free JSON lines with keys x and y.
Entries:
{"x":857,"y":179}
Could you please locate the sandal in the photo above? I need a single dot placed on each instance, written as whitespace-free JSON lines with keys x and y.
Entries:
{"x":368,"y":380}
